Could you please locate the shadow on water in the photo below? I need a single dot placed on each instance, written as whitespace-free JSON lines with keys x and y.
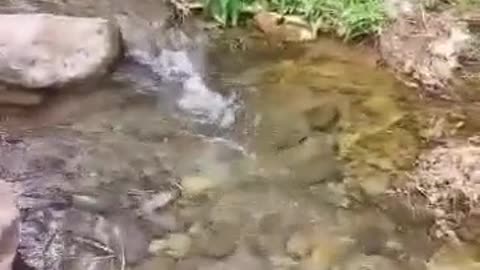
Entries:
{"x":278,"y":169}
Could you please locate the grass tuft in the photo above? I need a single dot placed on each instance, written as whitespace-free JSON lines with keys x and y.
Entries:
{"x":349,"y":19}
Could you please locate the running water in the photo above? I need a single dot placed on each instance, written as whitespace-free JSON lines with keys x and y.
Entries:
{"x":179,"y":66}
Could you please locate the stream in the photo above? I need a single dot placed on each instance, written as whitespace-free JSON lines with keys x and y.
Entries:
{"x":233,"y":154}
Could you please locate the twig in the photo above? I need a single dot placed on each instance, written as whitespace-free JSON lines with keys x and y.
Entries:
{"x":93,"y":243}
{"x":116,"y":230}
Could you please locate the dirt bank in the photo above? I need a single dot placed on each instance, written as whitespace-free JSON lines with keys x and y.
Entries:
{"x":427,"y":48}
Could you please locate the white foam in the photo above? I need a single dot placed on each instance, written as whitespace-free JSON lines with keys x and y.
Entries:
{"x":196,"y":99}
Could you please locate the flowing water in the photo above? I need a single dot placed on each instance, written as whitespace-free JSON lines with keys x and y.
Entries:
{"x":233,"y":155}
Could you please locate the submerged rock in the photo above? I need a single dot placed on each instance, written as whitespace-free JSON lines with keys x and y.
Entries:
{"x":218,"y":240}
{"x":40,"y":56}
{"x":177,"y":245}
{"x":9,"y":230}
{"x":157,"y":263}
{"x":364,"y":262}
{"x":19,"y":97}
{"x":196,"y":185}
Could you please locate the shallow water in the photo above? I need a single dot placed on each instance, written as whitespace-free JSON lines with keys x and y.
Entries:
{"x":255,"y":156}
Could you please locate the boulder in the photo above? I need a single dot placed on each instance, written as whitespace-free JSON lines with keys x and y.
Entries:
{"x":8,"y":227}
{"x":52,"y":50}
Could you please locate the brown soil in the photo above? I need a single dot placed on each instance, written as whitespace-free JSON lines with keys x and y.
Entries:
{"x":424,"y":49}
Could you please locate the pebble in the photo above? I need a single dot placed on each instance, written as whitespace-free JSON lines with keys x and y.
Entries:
{"x":178,"y":245}
{"x":219,"y":240}
{"x":365,"y":262}
{"x":157,"y":263}
{"x":323,"y":117}
{"x":299,"y":245}
{"x":196,"y":185}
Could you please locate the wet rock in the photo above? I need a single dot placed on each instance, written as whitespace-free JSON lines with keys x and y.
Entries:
{"x":326,"y":249}
{"x":127,"y":234}
{"x":9,"y":230}
{"x":280,"y":130}
{"x":364,"y":262}
{"x":313,"y":161}
{"x":157,"y":263}
{"x":19,"y":97}
{"x":299,"y":245}
{"x":175,"y":245}
{"x":195,"y":263}
{"x":159,"y":201}
{"x":240,"y":260}
{"x":218,"y":240}
{"x":162,"y":222}
{"x":323,"y":117}
{"x":196,"y":185}
{"x":396,"y":8}
{"x":100,"y":203}
{"x":461,"y":256}
{"x":286,"y":29}
{"x":89,"y":261}
{"x":41,"y":57}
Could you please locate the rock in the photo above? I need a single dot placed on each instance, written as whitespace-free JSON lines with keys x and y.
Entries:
{"x":240,"y":260}
{"x":219,"y":240}
{"x":285,"y":29}
{"x":40,"y":56}
{"x":326,"y":249}
{"x":165,"y":221}
{"x":195,"y":263}
{"x":9,"y":227}
{"x":157,"y":246}
{"x":396,"y":8}
{"x":313,"y":161}
{"x":323,"y":117}
{"x":157,"y":263}
{"x":195,"y":185}
{"x":299,"y":245}
{"x":281,"y":129}
{"x":19,"y":97}
{"x":127,"y":232}
{"x":158,"y":201}
{"x":364,"y":262}
{"x":177,"y":245}
{"x":454,"y":257}
{"x":98,"y":203}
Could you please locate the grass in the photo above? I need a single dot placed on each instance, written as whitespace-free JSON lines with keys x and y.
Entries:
{"x":349,"y":19}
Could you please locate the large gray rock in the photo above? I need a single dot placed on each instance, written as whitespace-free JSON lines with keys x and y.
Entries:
{"x":8,"y":227}
{"x":52,"y":50}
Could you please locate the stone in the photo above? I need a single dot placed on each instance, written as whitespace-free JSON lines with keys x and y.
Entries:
{"x":127,"y":232}
{"x":178,"y":245}
{"x":219,"y":240}
{"x":322,"y":118}
{"x":19,"y":97}
{"x":9,"y":227}
{"x":290,"y":29}
{"x":364,"y":262}
{"x":157,"y":263}
{"x":157,"y":246}
{"x":195,"y":185}
{"x":40,"y":56}
{"x":299,"y":245}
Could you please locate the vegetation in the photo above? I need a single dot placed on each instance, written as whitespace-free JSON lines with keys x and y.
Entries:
{"x":347,"y":18}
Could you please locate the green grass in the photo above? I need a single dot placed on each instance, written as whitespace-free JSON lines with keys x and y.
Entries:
{"x":349,"y":19}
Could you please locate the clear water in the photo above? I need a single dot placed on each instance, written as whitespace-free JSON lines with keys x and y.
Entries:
{"x":263,"y":158}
